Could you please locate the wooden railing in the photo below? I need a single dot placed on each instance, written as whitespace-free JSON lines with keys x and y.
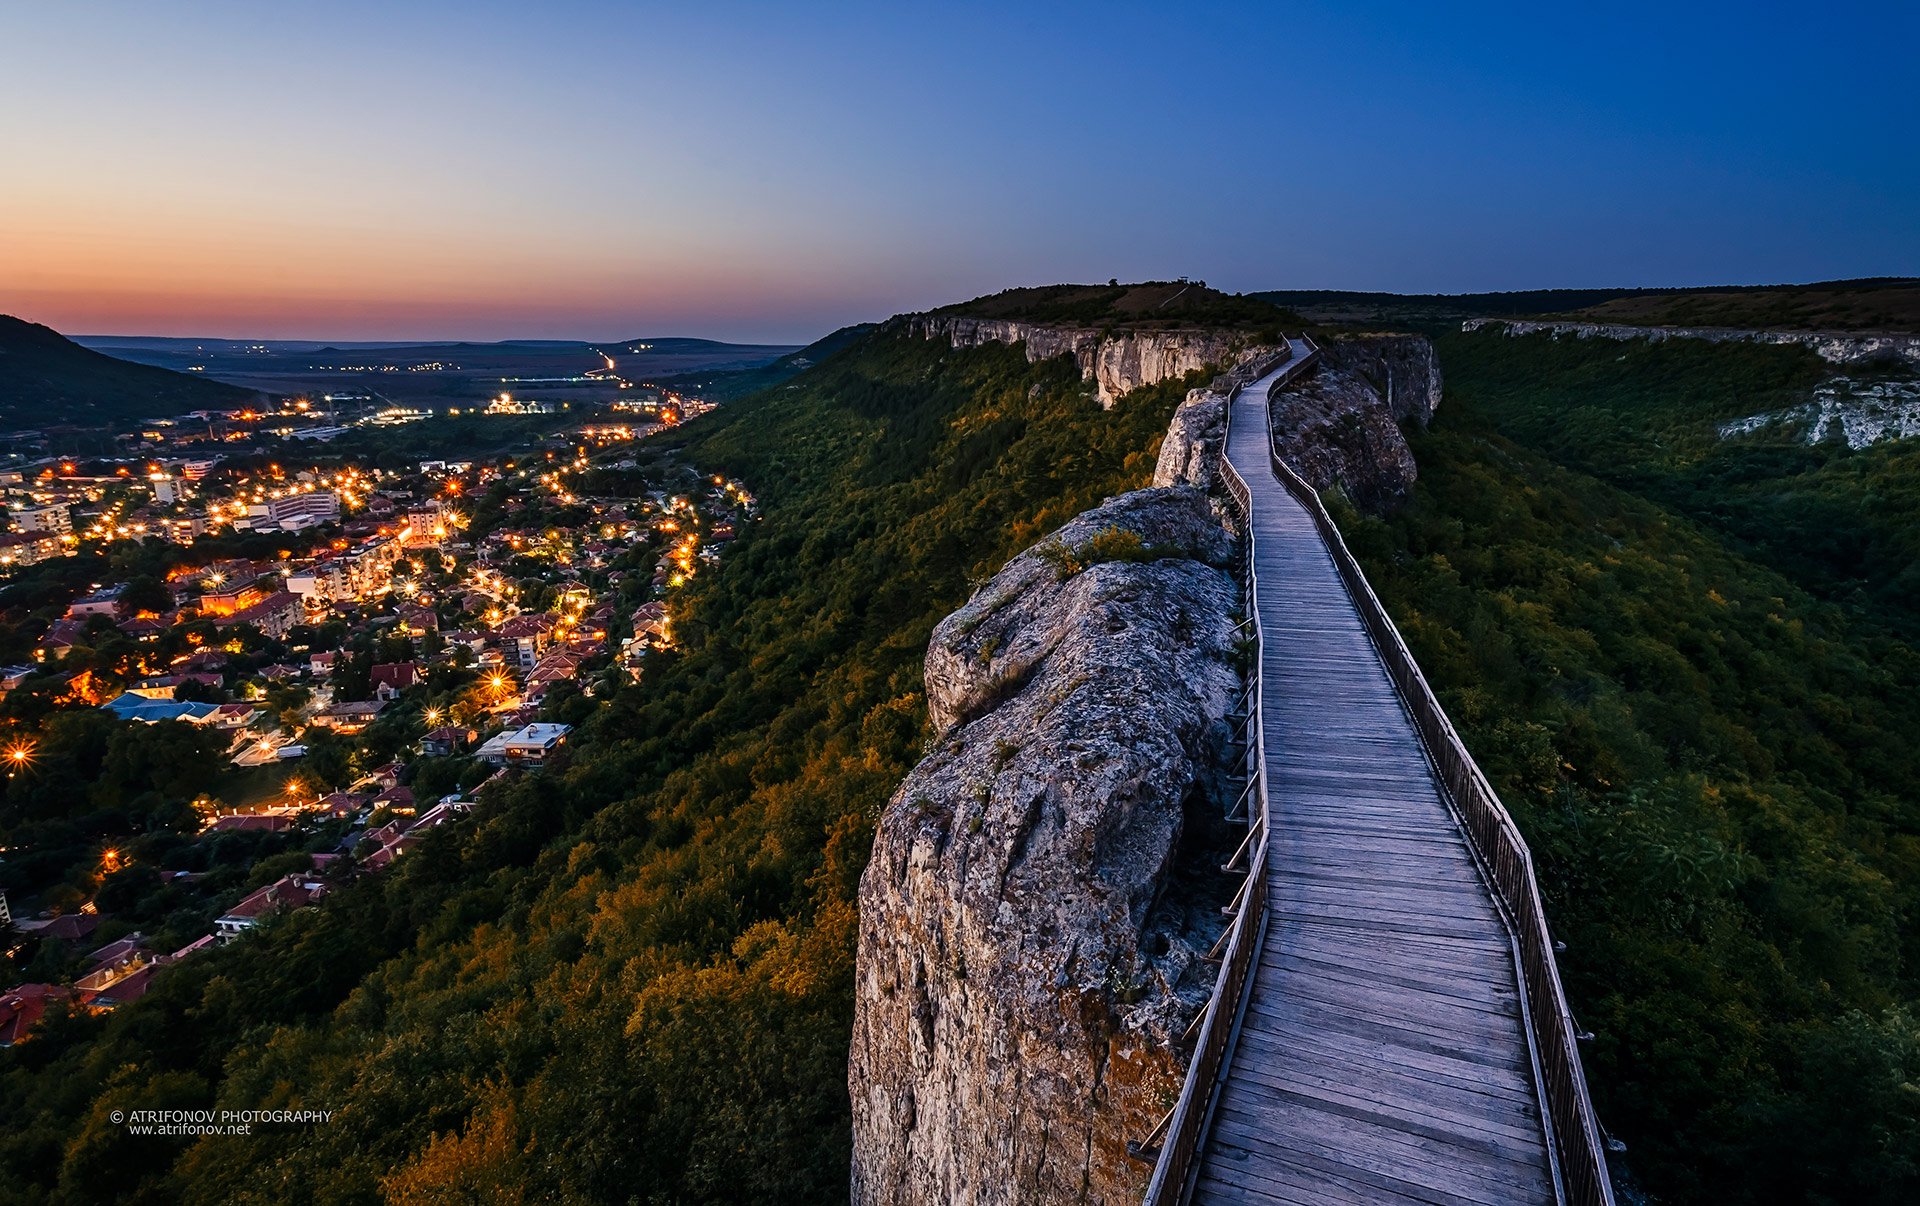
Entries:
{"x":1180,"y":1133}
{"x":1573,"y":1131}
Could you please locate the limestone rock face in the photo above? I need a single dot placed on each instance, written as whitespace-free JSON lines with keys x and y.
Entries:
{"x":1402,"y":369}
{"x":1835,"y":347}
{"x":1190,"y":454}
{"x":1339,"y":425}
{"x":1023,"y":975}
{"x":1196,"y":438}
{"x":1117,"y":364}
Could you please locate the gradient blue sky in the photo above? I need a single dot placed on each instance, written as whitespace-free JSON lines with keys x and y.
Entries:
{"x":604,"y":170}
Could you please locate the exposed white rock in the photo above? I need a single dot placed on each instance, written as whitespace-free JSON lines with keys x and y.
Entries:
{"x":1861,"y":413}
{"x":1190,"y":454}
{"x":1117,"y":363}
{"x":1339,"y":425}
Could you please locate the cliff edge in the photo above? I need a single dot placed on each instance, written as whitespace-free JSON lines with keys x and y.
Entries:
{"x":1116,"y":361}
{"x":1023,"y":972}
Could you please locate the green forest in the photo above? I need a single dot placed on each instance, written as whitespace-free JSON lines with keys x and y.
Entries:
{"x":1685,"y":663}
{"x":627,"y":979}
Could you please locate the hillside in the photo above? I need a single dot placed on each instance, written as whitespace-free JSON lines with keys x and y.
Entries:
{"x":1349,"y":307}
{"x":1148,"y":304}
{"x":631,"y":976}
{"x":1888,"y":304}
{"x":1891,"y":304}
{"x":1687,"y":665}
{"x":727,"y":384}
{"x":1842,"y":523}
{"x":47,"y":378}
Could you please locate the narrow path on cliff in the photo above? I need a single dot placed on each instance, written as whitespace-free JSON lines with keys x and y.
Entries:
{"x":1382,"y":1055}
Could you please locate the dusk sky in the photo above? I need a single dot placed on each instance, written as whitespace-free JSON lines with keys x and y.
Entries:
{"x":769,"y":172}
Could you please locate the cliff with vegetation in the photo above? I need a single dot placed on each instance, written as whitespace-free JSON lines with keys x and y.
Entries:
{"x":1122,"y":337}
{"x":1835,"y":347}
{"x":1116,"y":362}
{"x":633,"y":975}
{"x":1687,"y":663}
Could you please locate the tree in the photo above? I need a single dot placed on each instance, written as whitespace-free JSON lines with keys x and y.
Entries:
{"x":146,"y":594}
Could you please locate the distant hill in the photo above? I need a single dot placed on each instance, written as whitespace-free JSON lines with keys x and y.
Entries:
{"x":47,"y":378}
{"x":1884,"y":304}
{"x":1876,"y":304}
{"x":738,"y":383}
{"x":1351,"y":306}
{"x":1144,"y":304}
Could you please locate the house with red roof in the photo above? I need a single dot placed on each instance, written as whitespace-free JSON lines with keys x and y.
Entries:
{"x":130,"y":987}
{"x":391,"y":678}
{"x":343,"y":803}
{"x":72,"y":927}
{"x":446,"y":741}
{"x":262,"y":822}
{"x":296,"y":891}
{"x":23,"y":1005}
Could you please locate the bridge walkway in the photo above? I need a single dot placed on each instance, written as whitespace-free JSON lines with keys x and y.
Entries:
{"x":1383,"y":1054}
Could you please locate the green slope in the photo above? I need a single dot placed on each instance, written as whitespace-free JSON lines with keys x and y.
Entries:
{"x":46,"y":378}
{"x":629,"y":980}
{"x":1843,"y":524}
{"x":738,"y":383}
{"x":1718,"y":770}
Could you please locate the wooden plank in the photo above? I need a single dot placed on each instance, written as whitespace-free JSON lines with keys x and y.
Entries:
{"x":1381,"y":1056}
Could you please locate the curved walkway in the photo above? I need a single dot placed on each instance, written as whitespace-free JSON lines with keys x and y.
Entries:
{"x":1382,"y":1055}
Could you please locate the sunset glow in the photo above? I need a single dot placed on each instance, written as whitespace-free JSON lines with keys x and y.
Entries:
{"x":602,"y":170}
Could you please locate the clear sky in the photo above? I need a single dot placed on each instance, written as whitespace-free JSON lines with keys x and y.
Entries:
{"x":567,"y":168}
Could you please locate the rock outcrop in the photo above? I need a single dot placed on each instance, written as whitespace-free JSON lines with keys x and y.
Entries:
{"x":1339,"y":425}
{"x":1023,"y":973}
{"x":1117,"y":362}
{"x":1402,"y":369}
{"x":1190,"y":453}
{"x":1835,"y":347}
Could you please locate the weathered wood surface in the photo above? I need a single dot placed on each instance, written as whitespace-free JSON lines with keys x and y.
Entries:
{"x":1382,"y":1056}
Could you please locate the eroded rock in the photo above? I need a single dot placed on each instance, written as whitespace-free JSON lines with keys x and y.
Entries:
{"x":1835,"y":347}
{"x":1117,"y":363}
{"x":1022,"y":973}
{"x":1339,"y":425}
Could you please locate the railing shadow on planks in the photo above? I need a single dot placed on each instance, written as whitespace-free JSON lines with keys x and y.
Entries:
{"x":1578,"y":1147}
{"x":1175,"y":1142}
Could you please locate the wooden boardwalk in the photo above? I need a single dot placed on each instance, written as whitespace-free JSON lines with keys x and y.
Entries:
{"x":1382,"y":1055}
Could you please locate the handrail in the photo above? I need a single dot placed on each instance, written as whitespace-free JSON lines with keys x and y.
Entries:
{"x":1574,"y":1136}
{"x":1180,"y":1133}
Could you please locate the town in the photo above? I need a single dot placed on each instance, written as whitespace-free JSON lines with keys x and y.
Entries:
{"x":298,"y":665}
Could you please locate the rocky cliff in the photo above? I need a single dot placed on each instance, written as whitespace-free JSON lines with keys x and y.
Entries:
{"x":1835,"y":347}
{"x":1117,"y":362}
{"x":1190,"y":453}
{"x":1339,"y":425}
{"x":1023,"y":969}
